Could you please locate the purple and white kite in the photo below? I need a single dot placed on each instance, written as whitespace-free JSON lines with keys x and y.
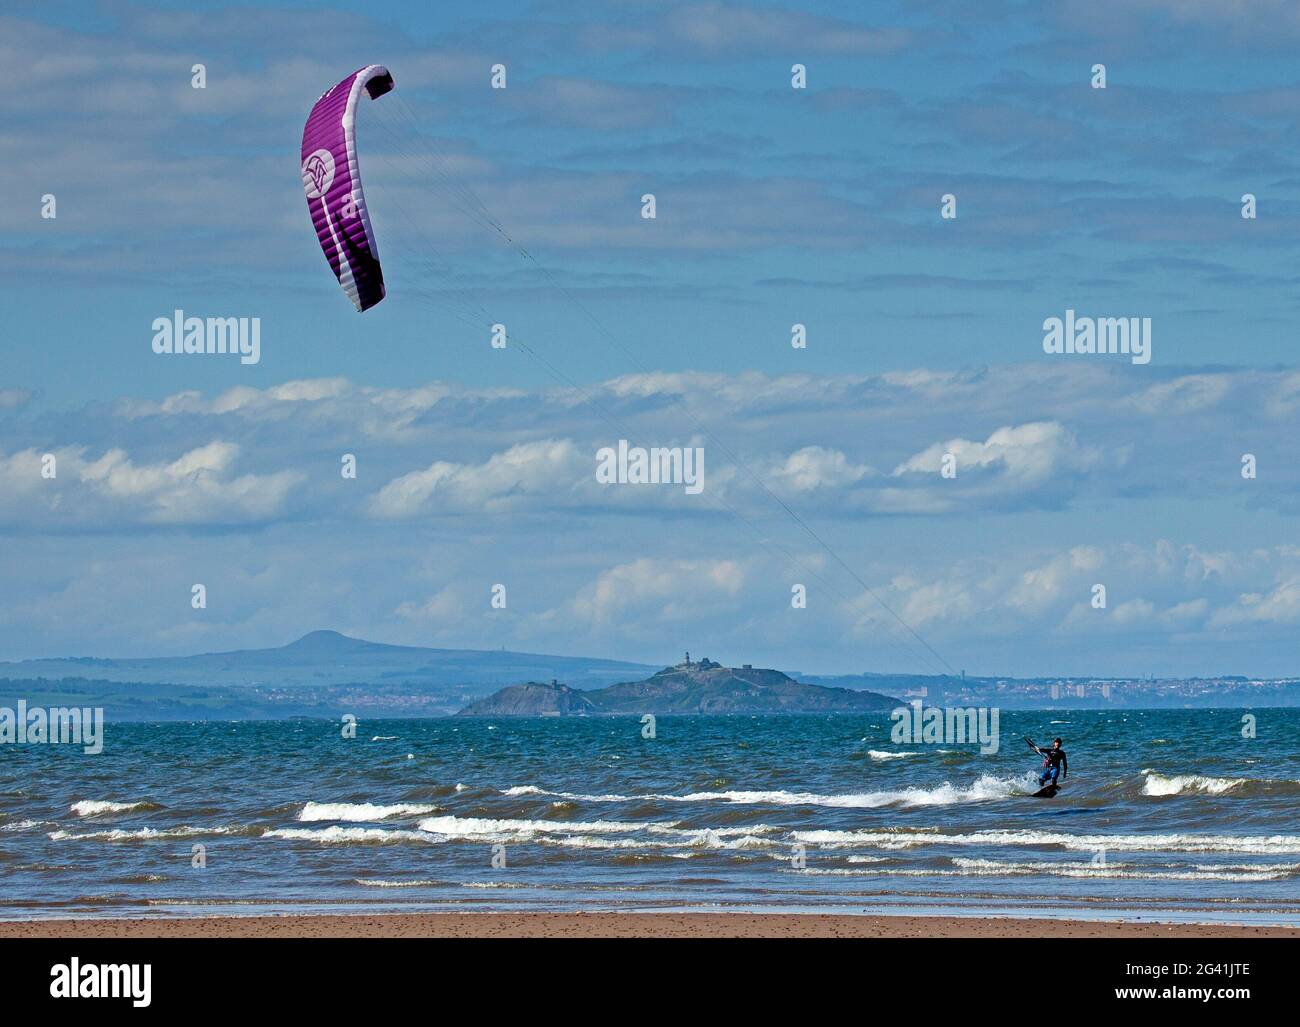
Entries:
{"x":332,"y":181}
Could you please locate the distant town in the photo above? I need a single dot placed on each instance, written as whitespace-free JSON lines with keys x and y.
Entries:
{"x":1078,"y":692}
{"x":324,"y":672}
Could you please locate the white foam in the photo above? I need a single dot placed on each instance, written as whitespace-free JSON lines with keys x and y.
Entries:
{"x":984,"y":788}
{"x":396,"y":884}
{"x":344,"y":835}
{"x":24,"y":825}
{"x":520,"y":830}
{"x":93,"y":807}
{"x":138,"y":834}
{"x":721,"y":832}
{"x":1158,"y":784}
{"x":1278,"y":844}
{"x":993,"y":868}
{"x":998,"y":868}
{"x":1262,"y":868}
{"x":361,"y":811}
{"x":723,"y":838}
{"x":491,"y":884}
{"x":588,"y":841}
{"x":876,"y":754}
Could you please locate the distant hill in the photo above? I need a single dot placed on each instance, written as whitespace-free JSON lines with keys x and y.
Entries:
{"x":698,"y":687}
{"x":321,"y":674}
{"x":329,"y":658}
{"x":532,"y":699}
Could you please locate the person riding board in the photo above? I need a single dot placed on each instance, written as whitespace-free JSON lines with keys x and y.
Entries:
{"x":1055,"y":764}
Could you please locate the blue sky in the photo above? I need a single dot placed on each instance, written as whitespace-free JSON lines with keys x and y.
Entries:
{"x":775,"y":206}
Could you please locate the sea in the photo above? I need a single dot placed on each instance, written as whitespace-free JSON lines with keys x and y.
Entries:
{"x":1167,"y":815}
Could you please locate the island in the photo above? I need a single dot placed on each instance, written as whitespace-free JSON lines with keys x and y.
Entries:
{"x":691,"y":687}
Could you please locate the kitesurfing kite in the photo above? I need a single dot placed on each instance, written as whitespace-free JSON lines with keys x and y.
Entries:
{"x":332,"y":181}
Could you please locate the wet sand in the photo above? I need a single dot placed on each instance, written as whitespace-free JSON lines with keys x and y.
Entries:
{"x":619,"y":925}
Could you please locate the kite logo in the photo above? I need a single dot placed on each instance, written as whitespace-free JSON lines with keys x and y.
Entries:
{"x":318,"y":173}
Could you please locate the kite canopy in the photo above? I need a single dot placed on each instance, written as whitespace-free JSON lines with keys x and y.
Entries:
{"x":332,"y":181}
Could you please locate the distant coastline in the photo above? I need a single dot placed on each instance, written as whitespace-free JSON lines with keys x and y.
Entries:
{"x":325,"y":672}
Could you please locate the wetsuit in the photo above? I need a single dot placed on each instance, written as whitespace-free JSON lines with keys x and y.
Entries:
{"x":1054,"y":764}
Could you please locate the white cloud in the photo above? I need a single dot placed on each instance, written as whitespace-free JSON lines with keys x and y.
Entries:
{"x":515,"y":477}
{"x":1026,"y":453}
{"x":1279,"y":605}
{"x":661,"y":590}
{"x":815,"y":467}
{"x":195,"y":488}
{"x":1186,"y":395}
{"x":1049,"y":583}
{"x":445,"y":608}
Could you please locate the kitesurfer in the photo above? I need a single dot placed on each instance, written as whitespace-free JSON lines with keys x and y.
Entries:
{"x":1055,"y":764}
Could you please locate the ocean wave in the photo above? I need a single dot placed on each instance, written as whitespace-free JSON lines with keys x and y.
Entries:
{"x":144,"y":833}
{"x":601,"y":834}
{"x":24,"y":825}
{"x":361,"y":811}
{"x":396,"y":884}
{"x":1278,"y":844}
{"x":876,"y":754}
{"x":347,"y":835}
{"x":999,"y":868}
{"x":95,"y":807}
{"x":589,"y":841}
{"x":704,"y":838}
{"x":1281,"y":868}
{"x":1158,"y":784}
{"x":985,"y":788}
{"x":994,"y":868}
{"x":701,"y":841}
{"x":478,"y":828}
{"x":721,"y":832}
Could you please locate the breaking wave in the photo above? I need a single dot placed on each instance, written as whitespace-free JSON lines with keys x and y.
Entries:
{"x":983,"y":789}
{"x":1278,"y":844}
{"x":999,"y":868}
{"x":1158,"y":784}
{"x":347,"y":835}
{"x":361,"y":811}
{"x":144,"y":833}
{"x":396,"y":884}
{"x":94,"y":807}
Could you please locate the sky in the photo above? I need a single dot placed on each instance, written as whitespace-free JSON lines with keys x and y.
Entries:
{"x":774,"y":206}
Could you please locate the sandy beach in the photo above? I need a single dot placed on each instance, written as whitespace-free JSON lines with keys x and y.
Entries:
{"x":618,"y":925}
